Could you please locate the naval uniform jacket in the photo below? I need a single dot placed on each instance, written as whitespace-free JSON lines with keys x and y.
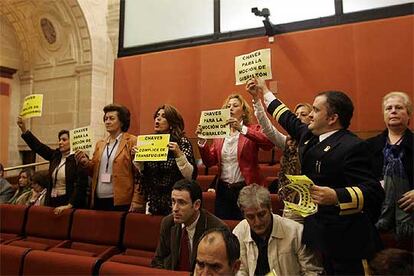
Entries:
{"x":76,"y":178}
{"x":341,"y":162}
{"x":167,"y":254}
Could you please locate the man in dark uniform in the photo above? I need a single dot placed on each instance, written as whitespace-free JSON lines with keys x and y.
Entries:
{"x":336,"y":160}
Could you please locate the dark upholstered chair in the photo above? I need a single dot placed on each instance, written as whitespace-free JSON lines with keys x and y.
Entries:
{"x":44,"y":229}
{"x":39,"y":262}
{"x":94,"y":234}
{"x":116,"y":269}
{"x":11,"y":259}
{"x":140,"y":241}
{"x":12,"y":219}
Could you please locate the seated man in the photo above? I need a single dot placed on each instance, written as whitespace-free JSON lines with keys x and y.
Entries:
{"x":181,"y":230}
{"x":6,"y":189}
{"x":218,"y":253}
{"x":269,"y":242}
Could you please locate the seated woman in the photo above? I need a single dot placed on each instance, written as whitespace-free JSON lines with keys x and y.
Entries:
{"x":24,"y":184}
{"x":289,"y":162}
{"x":236,"y":156}
{"x":158,"y":178}
{"x":37,"y":194}
{"x":392,"y":162}
{"x":113,"y":175}
{"x":68,"y":181}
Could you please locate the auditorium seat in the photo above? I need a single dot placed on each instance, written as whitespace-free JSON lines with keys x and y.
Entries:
{"x":94,"y":234}
{"x":44,"y":229}
{"x":203,"y":170}
{"x":231,"y":223}
{"x":116,"y":269}
{"x":269,"y":180}
{"x":205,"y":181}
{"x":140,"y":241}
{"x":39,"y":262}
{"x":209,"y":200}
{"x":269,"y":170}
{"x":11,"y":259}
{"x":277,"y":204}
{"x":12,"y":219}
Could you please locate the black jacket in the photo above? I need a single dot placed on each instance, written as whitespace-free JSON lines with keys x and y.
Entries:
{"x":376,"y":145}
{"x":76,"y":178}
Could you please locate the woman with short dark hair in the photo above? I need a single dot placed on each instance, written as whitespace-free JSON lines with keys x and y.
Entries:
{"x":113,"y":176}
{"x":67,"y":180}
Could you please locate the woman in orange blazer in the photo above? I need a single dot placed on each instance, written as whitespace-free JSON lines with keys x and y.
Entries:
{"x":236,"y":156}
{"x":111,"y":168}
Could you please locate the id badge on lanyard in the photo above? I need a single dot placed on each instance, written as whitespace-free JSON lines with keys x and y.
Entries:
{"x":106,"y":177}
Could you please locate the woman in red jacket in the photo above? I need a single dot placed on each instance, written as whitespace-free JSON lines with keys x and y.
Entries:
{"x":236,"y":156}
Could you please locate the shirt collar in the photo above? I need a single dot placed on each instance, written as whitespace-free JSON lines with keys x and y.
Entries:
{"x":326,"y":135}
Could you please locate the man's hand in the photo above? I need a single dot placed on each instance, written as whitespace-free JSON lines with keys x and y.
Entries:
{"x":406,"y":203}
{"x":323,"y":195}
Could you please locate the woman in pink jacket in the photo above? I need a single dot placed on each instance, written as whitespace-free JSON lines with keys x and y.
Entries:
{"x":236,"y":156}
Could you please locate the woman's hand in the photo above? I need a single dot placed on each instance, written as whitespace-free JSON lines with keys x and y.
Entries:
{"x":173,"y":146}
{"x":211,"y":190}
{"x":21,"y":124}
{"x":198,"y":133}
{"x":234,"y":124}
{"x":406,"y":203}
{"x":82,"y":158}
{"x":60,"y":209}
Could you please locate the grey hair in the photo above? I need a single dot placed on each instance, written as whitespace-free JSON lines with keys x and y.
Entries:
{"x":254,"y":196}
{"x":403,"y":96}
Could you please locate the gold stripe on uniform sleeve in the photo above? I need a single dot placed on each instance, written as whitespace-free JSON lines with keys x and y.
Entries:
{"x":353,"y":203}
{"x":356,"y":204}
{"x":279,"y":111}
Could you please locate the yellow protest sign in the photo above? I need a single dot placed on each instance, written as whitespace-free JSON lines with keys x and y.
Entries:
{"x":32,"y":106}
{"x":213,"y":123}
{"x":254,"y":64}
{"x":81,"y":139}
{"x":301,"y":184}
{"x":152,"y":147}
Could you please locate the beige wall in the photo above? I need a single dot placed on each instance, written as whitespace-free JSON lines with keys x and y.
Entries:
{"x":74,"y":73}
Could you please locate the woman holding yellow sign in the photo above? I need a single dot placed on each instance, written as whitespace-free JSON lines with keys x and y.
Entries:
{"x":67,"y":180}
{"x":113,"y":176}
{"x":237,"y":156}
{"x":158,"y":177}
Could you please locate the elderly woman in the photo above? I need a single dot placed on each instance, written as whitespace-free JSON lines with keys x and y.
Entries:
{"x":158,"y":178}
{"x":24,"y":184}
{"x":67,"y":180}
{"x":289,"y":163}
{"x":113,"y":175}
{"x":392,"y":163}
{"x":236,"y":156}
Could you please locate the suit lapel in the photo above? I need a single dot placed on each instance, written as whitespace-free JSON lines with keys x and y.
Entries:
{"x":241,"y":143}
{"x":122,"y":144}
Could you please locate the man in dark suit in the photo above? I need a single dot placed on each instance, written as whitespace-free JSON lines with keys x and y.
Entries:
{"x":181,"y":230}
{"x":336,"y":160}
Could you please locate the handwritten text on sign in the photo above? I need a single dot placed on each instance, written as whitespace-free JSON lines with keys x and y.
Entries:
{"x":213,"y":123}
{"x":81,"y":139}
{"x":32,"y":106}
{"x":152,"y":147}
{"x":254,"y":64}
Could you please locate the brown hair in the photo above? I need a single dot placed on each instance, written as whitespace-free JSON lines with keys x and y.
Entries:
{"x":174,"y":119}
{"x":124,"y":115}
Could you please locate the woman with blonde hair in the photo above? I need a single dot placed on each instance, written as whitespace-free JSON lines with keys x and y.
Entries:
{"x":392,"y":164}
{"x":236,"y":156}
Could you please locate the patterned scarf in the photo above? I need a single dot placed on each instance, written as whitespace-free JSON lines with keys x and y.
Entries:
{"x":396,"y":183}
